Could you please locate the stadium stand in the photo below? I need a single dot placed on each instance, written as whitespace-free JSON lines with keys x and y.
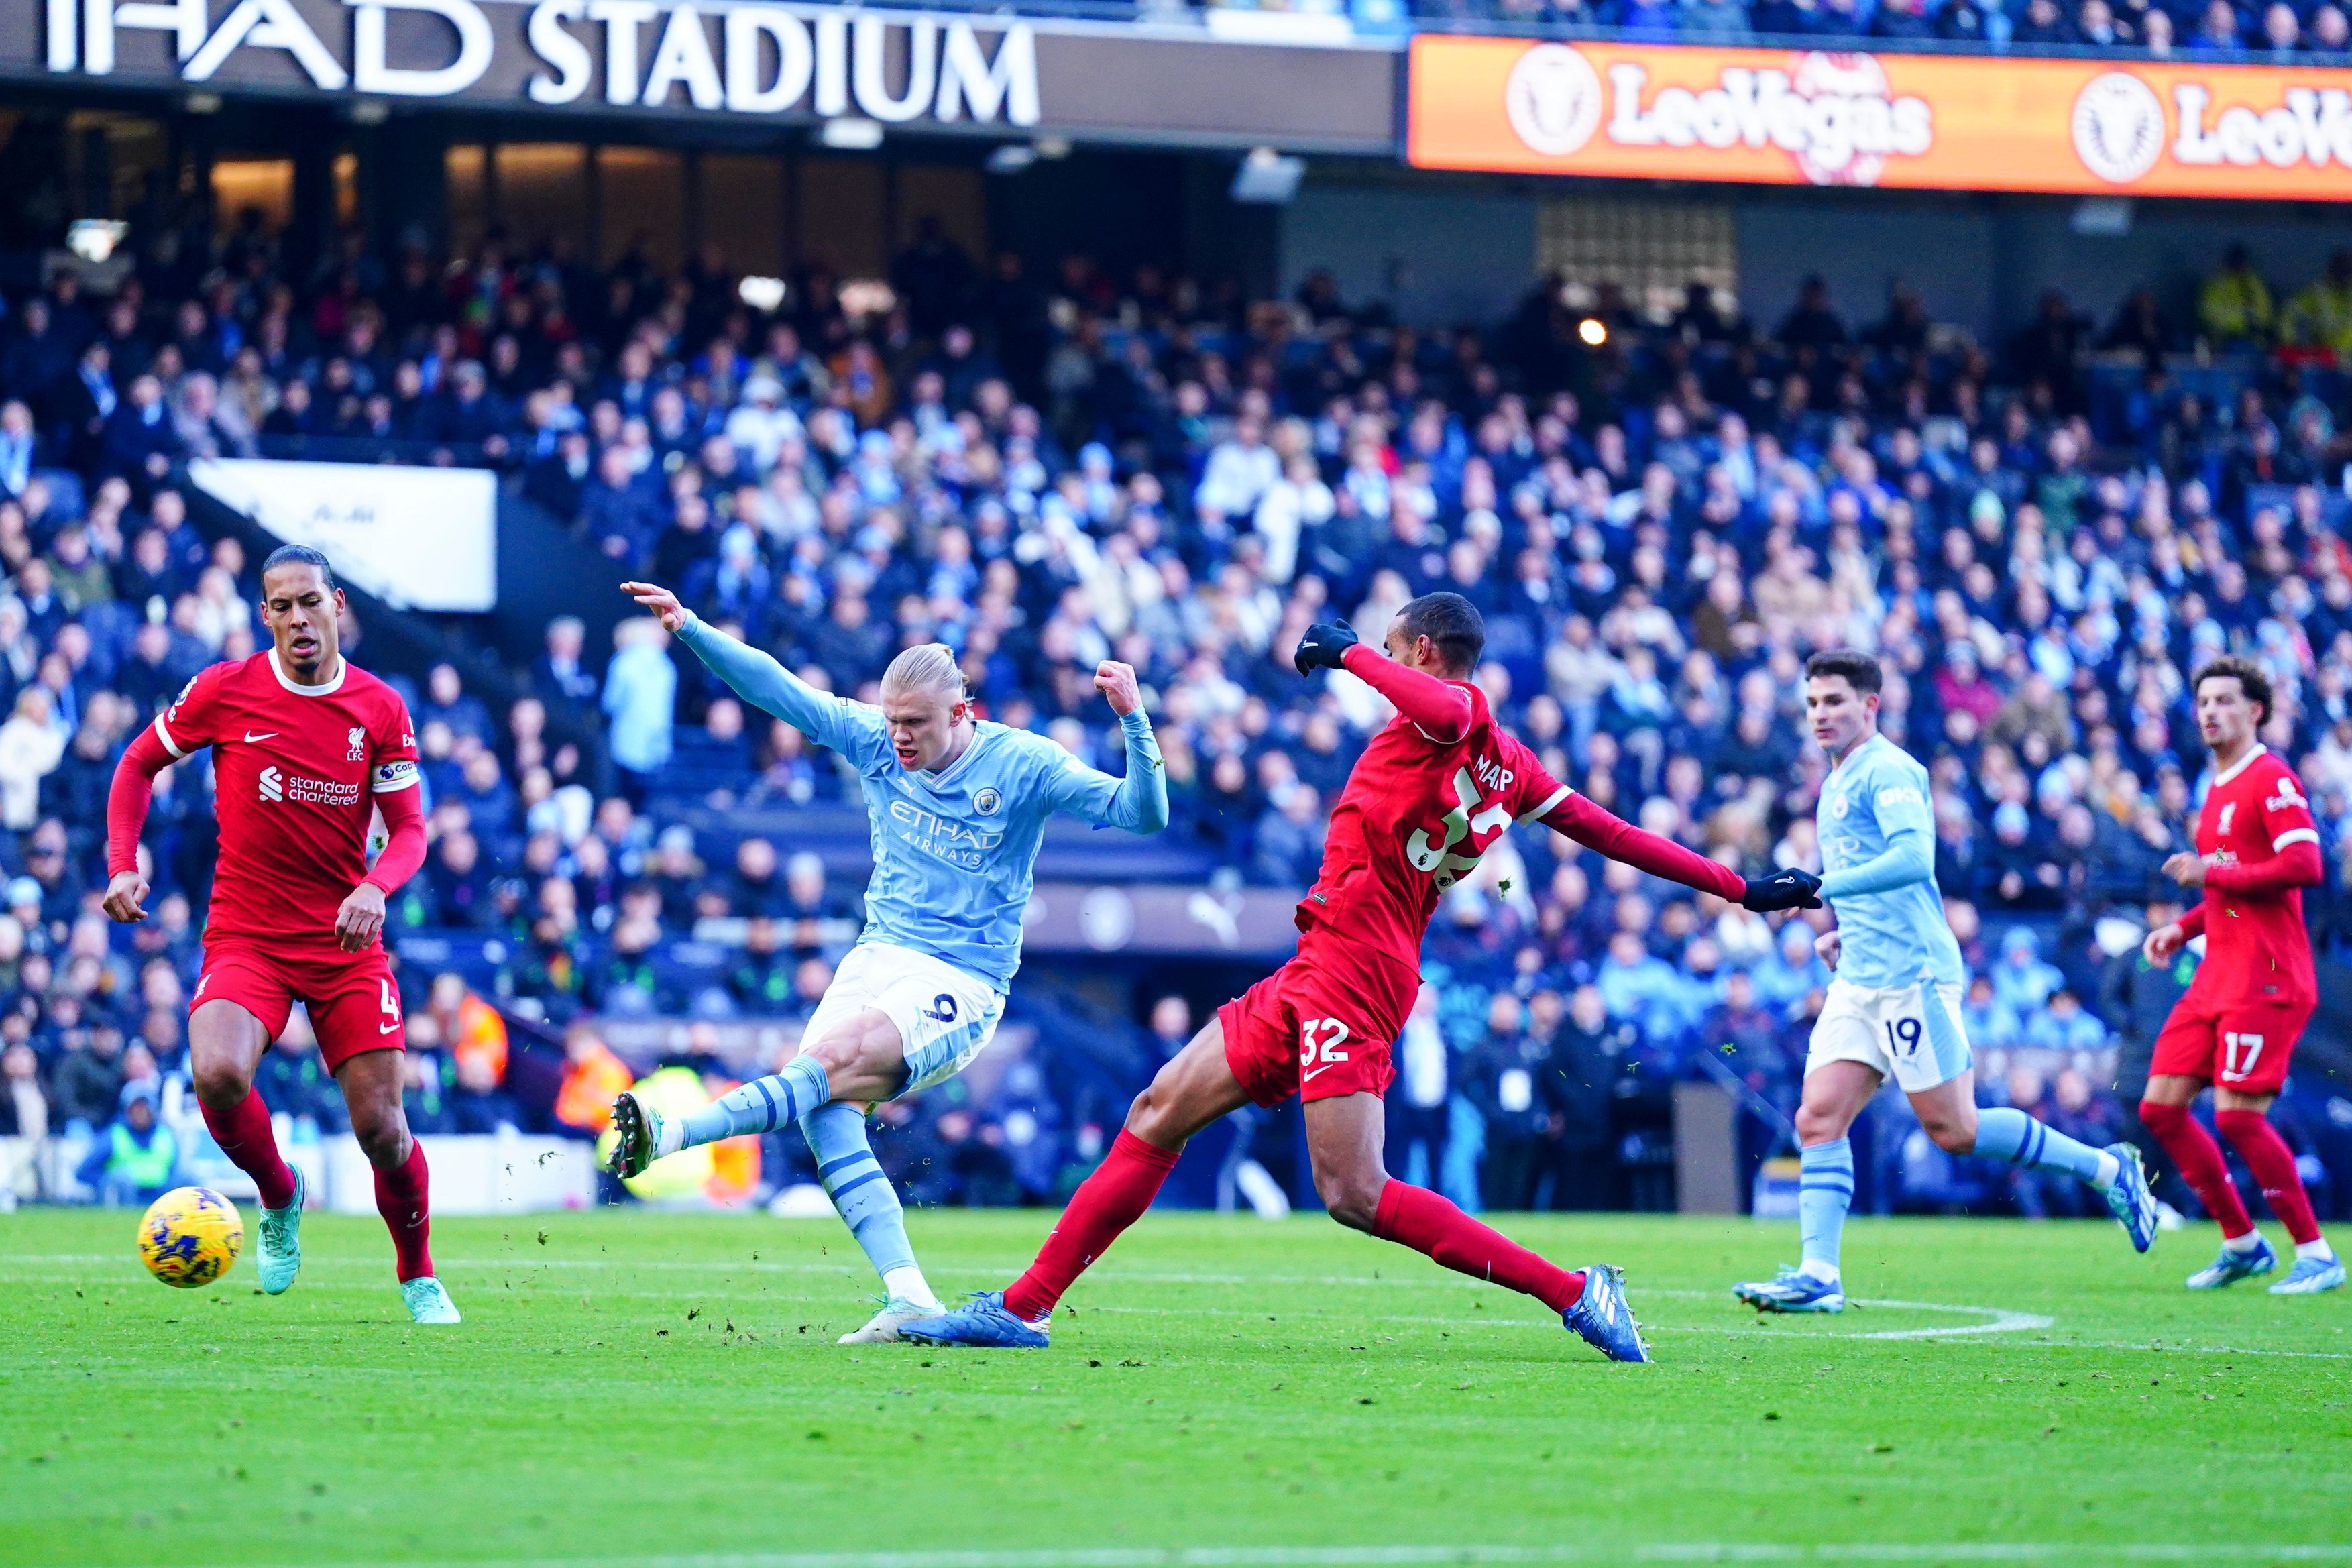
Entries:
{"x":1659,"y":517}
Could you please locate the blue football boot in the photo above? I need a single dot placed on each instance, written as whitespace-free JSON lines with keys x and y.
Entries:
{"x":1793,"y":1290}
{"x":2130,"y":1200}
{"x":2231,"y":1266}
{"x":1602,"y":1318}
{"x":981,"y":1322}
{"x":2310,"y":1275}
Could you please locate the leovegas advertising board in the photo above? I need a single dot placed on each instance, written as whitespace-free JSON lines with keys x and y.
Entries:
{"x":1911,"y":121}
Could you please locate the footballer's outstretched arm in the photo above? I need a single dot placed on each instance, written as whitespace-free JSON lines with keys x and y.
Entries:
{"x":2299,"y":865}
{"x":1137,"y":803}
{"x":1571,"y":814}
{"x":1909,"y":856}
{"x":127,"y":800}
{"x":1438,"y":709}
{"x":755,"y":677}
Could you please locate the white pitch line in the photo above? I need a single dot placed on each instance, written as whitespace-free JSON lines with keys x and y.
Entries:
{"x":1377,"y":1556}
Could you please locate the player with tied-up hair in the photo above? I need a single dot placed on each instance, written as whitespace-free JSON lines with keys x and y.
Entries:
{"x":1430,"y":795}
{"x":307,"y":749}
{"x":958,"y":809}
{"x":1893,"y":1009}
{"x":2257,"y":849}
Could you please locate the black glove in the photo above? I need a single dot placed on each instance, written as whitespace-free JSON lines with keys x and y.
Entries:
{"x":1789,"y":890}
{"x":1323,"y":647}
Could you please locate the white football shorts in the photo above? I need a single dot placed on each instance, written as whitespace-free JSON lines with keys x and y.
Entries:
{"x":945,"y":1017}
{"x":1912,"y":1033}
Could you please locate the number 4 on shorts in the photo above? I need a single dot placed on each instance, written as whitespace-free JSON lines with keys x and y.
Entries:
{"x":388,"y":1001}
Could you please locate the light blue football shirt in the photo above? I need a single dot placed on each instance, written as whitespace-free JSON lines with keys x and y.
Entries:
{"x":1878,"y":859}
{"x":955,"y":851}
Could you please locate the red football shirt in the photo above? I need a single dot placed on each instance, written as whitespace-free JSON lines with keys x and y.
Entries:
{"x":1417,"y":813}
{"x":295,"y":770}
{"x":2256,"y":946}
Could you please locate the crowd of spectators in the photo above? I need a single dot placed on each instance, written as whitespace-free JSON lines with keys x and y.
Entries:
{"x":2280,"y":32}
{"x":1659,"y":517}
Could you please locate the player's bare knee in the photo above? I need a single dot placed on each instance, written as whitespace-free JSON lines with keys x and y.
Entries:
{"x":1350,"y":1197}
{"x":381,"y":1134}
{"x":1952,"y":1134}
{"x":220,"y":1079}
{"x":1817,"y":1126}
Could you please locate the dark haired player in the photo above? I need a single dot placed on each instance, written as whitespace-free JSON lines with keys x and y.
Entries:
{"x":307,"y":749}
{"x":2257,"y":849}
{"x":1434,"y":789}
{"x":1893,"y":1009}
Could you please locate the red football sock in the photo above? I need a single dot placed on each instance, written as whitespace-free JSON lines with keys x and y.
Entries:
{"x":402,"y":1196}
{"x":2273,"y":1163}
{"x":1106,"y":1204}
{"x":1421,"y":1219}
{"x":2200,"y":1159}
{"x":243,"y":1134}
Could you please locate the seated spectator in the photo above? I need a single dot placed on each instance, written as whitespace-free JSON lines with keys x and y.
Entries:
{"x":86,"y":1086}
{"x":2021,"y":982}
{"x":2217,"y":33}
{"x":479,"y":1103}
{"x":1287,"y":846}
{"x":2233,"y":307}
{"x":294,"y":1082}
{"x":134,"y":1159}
{"x":2062,"y":1025}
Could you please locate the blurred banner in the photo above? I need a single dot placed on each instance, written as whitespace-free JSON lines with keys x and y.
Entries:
{"x":1310,"y":89}
{"x":1910,"y":122}
{"x":418,"y":539}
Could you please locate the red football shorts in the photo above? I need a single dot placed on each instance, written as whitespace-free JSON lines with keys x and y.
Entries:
{"x":2241,"y":1047}
{"x":1321,"y":1025}
{"x":354,"y":1004}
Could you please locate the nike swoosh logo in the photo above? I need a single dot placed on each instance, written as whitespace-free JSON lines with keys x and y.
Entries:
{"x":266,"y":735}
{"x":387,"y":1029}
{"x":1311,"y":1077}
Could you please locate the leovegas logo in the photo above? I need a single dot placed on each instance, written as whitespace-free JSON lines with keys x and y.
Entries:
{"x":2308,"y":125}
{"x":1637,"y":110}
{"x":1834,"y":114}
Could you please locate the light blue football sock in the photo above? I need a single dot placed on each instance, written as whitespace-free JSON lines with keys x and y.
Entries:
{"x":1824,"y":1192}
{"x":761,"y":1106}
{"x":2003,"y":1134}
{"x":864,"y":1194}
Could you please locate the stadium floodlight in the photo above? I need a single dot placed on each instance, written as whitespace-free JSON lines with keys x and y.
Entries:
{"x":1592,"y":331}
{"x":762,"y":294}
{"x":851,"y":134}
{"x":1266,"y":175}
{"x":864,"y":297}
{"x":96,"y":239}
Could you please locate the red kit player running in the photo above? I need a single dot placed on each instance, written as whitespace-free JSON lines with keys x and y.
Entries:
{"x":1430,"y":793}
{"x":306,"y":750}
{"x":2257,"y":849}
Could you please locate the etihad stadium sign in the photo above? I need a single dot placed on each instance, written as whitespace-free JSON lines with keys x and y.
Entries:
{"x":949,"y":73}
{"x":1837,"y":118}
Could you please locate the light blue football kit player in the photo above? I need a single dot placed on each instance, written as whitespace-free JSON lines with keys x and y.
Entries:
{"x":957,"y":809}
{"x":1893,"y":1006}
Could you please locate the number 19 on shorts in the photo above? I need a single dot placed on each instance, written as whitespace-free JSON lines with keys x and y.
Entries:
{"x":1903,"y":1036}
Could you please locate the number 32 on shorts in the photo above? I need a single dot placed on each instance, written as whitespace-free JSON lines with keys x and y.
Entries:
{"x":1320,"y":1040}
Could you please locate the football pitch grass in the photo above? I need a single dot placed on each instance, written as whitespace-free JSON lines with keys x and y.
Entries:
{"x":637,"y":1388}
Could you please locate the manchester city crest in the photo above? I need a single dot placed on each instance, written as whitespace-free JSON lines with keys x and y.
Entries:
{"x":986,"y":801}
